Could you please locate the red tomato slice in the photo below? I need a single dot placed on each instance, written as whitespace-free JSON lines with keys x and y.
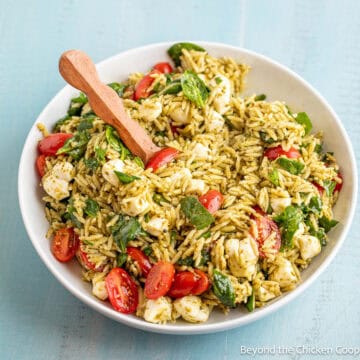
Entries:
{"x":339,"y":186}
{"x":274,"y":152}
{"x":50,"y":144}
{"x":65,"y":244}
{"x":86,"y":263}
{"x":174,"y":129}
{"x":122,"y":290}
{"x":163,"y":67}
{"x":141,"y":90}
{"x":184,"y":282}
{"x":212,"y":200}
{"x":265,"y":227}
{"x":142,"y":260}
{"x":161,"y":158}
{"x":41,"y":164}
{"x":202,"y":283}
{"x":159,"y":280}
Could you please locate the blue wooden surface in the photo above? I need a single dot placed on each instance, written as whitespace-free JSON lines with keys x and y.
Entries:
{"x":39,"y":319}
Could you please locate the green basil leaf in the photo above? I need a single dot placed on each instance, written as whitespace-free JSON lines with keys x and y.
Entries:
{"x":260,"y":97}
{"x":327,"y":224}
{"x":77,"y":104}
{"x":114,"y":141}
{"x":81,"y":99}
{"x":223,"y":288}
{"x":318,"y":148}
{"x":205,"y":257}
{"x":274,"y":177}
{"x":125,"y":230}
{"x":320,"y":234}
{"x":85,"y":124}
{"x":159,"y":198}
{"x":70,"y":215}
{"x":121,"y":259}
{"x":292,"y":166}
{"x":172,"y":88}
{"x":205,"y":235}
{"x":188,"y":261}
{"x":119,"y":88}
{"x":91,"y":163}
{"x":250,"y":304}
{"x":315,"y":205}
{"x":100,"y":154}
{"x":289,"y":221}
{"x":61,"y":122}
{"x":75,"y":146}
{"x":264,"y":137}
{"x":125,"y":178}
{"x":196,"y":213}
{"x":147,"y":250}
{"x":303,"y":119}
{"x":175,"y":51}
{"x":329,"y":187}
{"x":194,"y":88}
{"x":91,"y":207}
{"x":139,"y":162}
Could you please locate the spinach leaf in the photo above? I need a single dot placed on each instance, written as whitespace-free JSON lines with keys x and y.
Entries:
{"x":194,"y":88}
{"x":125,"y":178}
{"x":91,"y":163}
{"x":176,"y":50}
{"x":303,"y":119}
{"x":265,"y":138}
{"x":318,"y":148}
{"x":114,"y":141}
{"x":61,"y":122}
{"x":85,"y":124}
{"x":274,"y":177}
{"x":172,"y":89}
{"x":76,"y":105}
{"x":223,"y":288}
{"x":121,"y":259}
{"x":159,"y":198}
{"x":125,"y":230}
{"x":139,"y":162}
{"x":250,"y":304}
{"x":188,"y":261}
{"x":329,"y":187}
{"x":289,"y":221}
{"x":260,"y":97}
{"x":75,"y":146}
{"x":119,"y":88}
{"x":205,"y":235}
{"x":196,"y":213}
{"x":327,"y":224}
{"x":70,"y":215}
{"x":205,"y":257}
{"x":100,"y":154}
{"x":292,"y":166}
{"x":320,"y":234}
{"x":91,"y":207}
{"x":147,"y":250}
{"x":315,"y":205}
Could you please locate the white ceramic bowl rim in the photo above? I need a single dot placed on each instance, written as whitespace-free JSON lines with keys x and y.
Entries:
{"x":205,"y":327}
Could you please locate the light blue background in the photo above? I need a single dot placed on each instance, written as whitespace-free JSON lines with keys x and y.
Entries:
{"x":39,"y":319}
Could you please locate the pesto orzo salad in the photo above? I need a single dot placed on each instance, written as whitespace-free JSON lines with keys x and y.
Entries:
{"x":231,"y":210}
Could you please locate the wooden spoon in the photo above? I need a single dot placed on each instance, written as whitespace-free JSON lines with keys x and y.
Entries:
{"x":80,"y":72}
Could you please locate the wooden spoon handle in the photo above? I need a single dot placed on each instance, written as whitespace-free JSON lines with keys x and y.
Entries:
{"x":80,"y":72}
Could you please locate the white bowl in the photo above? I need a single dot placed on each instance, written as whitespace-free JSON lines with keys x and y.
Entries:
{"x":266,"y":76}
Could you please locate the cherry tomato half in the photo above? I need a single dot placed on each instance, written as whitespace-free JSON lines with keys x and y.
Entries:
{"x":163,"y":67}
{"x":339,"y":186}
{"x":65,"y":244}
{"x":122,"y":290}
{"x":41,"y":164}
{"x":161,"y":158}
{"x":50,"y":144}
{"x":212,"y":200}
{"x":159,"y":280}
{"x":274,"y":152}
{"x":142,"y":260}
{"x":265,"y":227}
{"x":86,"y":263}
{"x":202,"y":283}
{"x":141,"y":90}
{"x":184,"y":282}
